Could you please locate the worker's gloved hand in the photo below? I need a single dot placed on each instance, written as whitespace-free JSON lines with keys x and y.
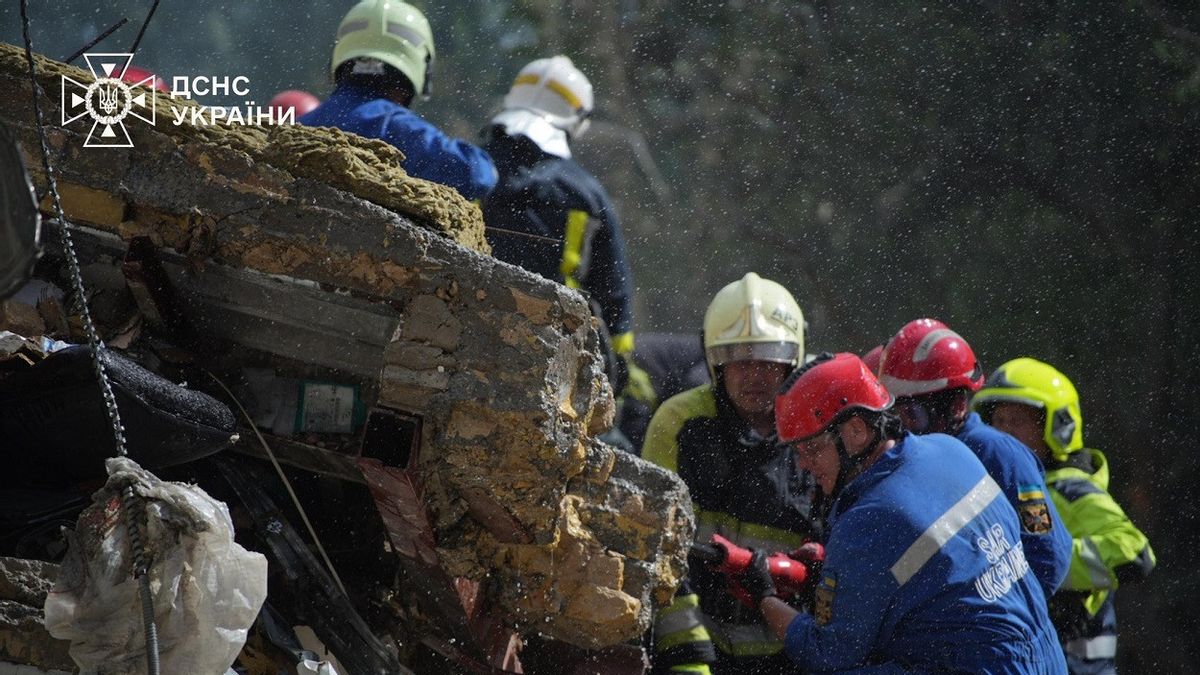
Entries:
{"x":638,"y":385}
{"x":812,"y":554}
{"x":756,"y":579}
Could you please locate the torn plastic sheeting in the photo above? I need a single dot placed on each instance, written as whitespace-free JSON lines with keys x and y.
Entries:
{"x":207,"y":589}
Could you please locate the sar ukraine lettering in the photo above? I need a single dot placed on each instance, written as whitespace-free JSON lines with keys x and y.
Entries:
{"x":1007,"y":564}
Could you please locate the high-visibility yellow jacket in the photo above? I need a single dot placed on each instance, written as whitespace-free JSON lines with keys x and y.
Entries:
{"x":745,"y":488}
{"x":1108,"y":550}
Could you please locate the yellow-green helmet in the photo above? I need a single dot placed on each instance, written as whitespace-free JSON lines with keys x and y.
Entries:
{"x":393,"y":32}
{"x":753,"y":319}
{"x":1033,"y":383}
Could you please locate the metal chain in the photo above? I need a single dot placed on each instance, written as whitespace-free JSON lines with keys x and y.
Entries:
{"x":129,"y":501}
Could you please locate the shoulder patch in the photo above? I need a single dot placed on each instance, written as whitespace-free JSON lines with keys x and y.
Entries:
{"x":1035,"y":517}
{"x":823,"y":600}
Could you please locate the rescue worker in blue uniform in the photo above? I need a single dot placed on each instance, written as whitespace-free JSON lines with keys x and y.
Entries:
{"x":547,"y":213}
{"x":745,"y":486}
{"x":382,"y":59}
{"x":1036,"y":403}
{"x":932,"y":371}
{"x":924,"y":567}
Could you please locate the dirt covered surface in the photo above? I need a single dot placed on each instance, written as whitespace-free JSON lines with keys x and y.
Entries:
{"x":560,"y":534}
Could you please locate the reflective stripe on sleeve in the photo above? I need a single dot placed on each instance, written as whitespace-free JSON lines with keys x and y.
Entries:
{"x":683,"y":614}
{"x":1100,"y":647}
{"x":1089,"y":554}
{"x":936,"y":535}
{"x":572,"y":255}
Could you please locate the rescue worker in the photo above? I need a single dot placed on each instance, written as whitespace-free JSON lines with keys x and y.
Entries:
{"x":547,"y":213}
{"x":924,"y":569}
{"x":382,"y":60}
{"x":745,"y":486}
{"x":932,"y":371}
{"x":1038,"y":404}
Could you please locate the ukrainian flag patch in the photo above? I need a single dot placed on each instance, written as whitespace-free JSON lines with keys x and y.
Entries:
{"x":1027,"y":493}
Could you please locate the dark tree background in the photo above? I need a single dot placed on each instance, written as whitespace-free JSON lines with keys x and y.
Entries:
{"x":1025,"y":171}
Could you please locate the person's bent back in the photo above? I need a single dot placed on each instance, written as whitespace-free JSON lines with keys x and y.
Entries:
{"x":924,"y":568}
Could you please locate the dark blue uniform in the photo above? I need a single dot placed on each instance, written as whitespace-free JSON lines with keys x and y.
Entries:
{"x":925,"y":572}
{"x":558,"y":200}
{"x":428,"y":153}
{"x":1020,"y":474}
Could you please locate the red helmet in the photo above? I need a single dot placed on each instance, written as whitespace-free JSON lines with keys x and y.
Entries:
{"x":822,"y":391}
{"x":872,"y":359}
{"x":135,"y":75}
{"x":302,"y":101}
{"x":926,"y":356}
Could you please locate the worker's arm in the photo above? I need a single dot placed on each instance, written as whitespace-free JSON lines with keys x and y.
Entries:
{"x":1107,"y":548}
{"x":434,"y":156}
{"x":851,"y":600}
{"x":1044,"y":536}
{"x":778,"y":615}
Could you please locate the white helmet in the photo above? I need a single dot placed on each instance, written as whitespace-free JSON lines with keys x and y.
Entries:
{"x":550,"y":102}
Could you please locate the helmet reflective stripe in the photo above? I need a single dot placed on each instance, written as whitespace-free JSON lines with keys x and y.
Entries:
{"x":406,"y":33}
{"x":753,"y":311}
{"x":394,"y":33}
{"x":925,"y":347}
{"x":778,"y":352}
{"x":553,"y":85}
{"x":352,"y":26}
{"x":900,"y":387}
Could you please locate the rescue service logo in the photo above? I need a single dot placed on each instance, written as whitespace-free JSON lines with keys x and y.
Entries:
{"x":108,"y":101}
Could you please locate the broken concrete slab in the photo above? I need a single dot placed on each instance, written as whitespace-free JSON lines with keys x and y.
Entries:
{"x":310,"y":251}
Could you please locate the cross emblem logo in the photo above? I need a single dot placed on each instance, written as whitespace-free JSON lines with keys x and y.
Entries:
{"x":108,"y":100}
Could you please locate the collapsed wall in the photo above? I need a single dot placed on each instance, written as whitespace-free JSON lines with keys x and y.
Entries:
{"x":314,"y":247}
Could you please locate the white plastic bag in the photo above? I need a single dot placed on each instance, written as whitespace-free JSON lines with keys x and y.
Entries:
{"x":207,"y":589}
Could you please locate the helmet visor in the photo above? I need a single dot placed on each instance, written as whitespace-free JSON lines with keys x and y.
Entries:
{"x":777,"y":352}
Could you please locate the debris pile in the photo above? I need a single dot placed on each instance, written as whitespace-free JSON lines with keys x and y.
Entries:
{"x":465,"y":393}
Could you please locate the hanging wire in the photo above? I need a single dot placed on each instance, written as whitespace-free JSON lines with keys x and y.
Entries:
{"x":142,"y":31}
{"x":129,"y":501}
{"x":286,"y":483}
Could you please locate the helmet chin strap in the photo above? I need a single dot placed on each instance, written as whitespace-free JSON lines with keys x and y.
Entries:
{"x":848,"y":463}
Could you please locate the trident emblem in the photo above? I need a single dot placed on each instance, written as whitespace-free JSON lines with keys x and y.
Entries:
{"x":108,"y":99}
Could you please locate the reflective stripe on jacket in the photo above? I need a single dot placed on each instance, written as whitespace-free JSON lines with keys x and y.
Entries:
{"x":1019,"y":473}
{"x":577,"y":240}
{"x":1108,"y":550}
{"x":744,"y":487}
{"x":925,"y":572}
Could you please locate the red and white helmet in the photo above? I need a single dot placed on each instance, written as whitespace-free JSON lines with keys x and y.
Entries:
{"x":927,"y":357}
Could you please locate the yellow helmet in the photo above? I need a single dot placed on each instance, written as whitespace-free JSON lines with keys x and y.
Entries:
{"x":753,"y":319}
{"x":1037,"y":384}
{"x":394,"y":33}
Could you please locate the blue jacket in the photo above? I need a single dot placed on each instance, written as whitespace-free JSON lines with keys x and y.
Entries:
{"x":925,"y":572}
{"x":579,"y":241}
{"x":428,"y":153}
{"x":1019,"y":472}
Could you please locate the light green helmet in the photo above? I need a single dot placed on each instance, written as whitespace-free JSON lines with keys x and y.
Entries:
{"x":1039,"y":385}
{"x":394,"y":33}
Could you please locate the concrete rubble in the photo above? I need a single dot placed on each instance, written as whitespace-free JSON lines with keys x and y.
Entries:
{"x":312,"y":249}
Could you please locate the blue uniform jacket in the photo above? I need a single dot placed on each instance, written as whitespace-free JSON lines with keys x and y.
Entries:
{"x":428,"y":153}
{"x":925,"y":572}
{"x":539,"y":194}
{"x":1020,"y":475}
